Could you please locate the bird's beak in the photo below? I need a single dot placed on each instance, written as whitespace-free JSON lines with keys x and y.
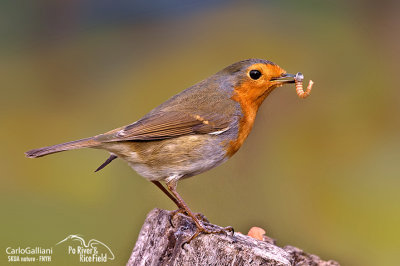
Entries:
{"x":284,"y":78}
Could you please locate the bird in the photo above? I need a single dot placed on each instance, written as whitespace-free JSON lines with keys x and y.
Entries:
{"x":192,"y":132}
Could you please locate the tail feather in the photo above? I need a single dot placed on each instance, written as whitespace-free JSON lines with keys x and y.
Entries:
{"x":109,"y":160}
{"x":77,"y":144}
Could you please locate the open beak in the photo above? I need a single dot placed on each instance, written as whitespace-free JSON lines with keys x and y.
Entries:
{"x":285,"y":78}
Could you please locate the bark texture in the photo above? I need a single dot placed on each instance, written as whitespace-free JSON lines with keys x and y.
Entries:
{"x":160,"y":244}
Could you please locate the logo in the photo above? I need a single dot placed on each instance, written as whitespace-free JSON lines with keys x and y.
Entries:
{"x":93,"y":251}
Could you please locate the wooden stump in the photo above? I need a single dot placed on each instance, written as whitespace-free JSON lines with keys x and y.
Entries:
{"x":161,"y":244}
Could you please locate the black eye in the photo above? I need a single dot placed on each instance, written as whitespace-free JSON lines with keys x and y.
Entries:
{"x":255,"y":74}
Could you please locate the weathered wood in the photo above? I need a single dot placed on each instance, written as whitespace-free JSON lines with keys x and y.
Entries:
{"x":160,"y":244}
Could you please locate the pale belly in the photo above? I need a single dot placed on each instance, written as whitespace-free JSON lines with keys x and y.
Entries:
{"x":173,"y":158}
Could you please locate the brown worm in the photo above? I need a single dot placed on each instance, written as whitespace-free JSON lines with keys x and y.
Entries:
{"x":299,"y":86}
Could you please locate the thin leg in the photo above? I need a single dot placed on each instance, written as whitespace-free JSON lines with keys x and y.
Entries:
{"x":160,"y":186}
{"x":172,"y":187}
{"x":200,"y":227}
{"x":180,"y":208}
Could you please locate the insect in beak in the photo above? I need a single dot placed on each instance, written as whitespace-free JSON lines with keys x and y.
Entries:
{"x":298,"y":79}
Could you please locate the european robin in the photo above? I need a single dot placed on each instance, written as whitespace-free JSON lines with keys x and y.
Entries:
{"x":192,"y":132}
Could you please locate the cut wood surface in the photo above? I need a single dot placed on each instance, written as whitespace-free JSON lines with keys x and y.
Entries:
{"x":159,"y":243}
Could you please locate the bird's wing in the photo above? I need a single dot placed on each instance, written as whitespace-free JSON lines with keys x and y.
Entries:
{"x":167,"y":124}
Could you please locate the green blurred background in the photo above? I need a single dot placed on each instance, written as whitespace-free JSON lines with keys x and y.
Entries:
{"x":321,"y":174}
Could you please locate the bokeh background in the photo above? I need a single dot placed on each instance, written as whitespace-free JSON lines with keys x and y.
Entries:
{"x":321,"y":174}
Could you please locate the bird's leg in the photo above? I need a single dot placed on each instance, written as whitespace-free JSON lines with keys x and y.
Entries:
{"x":175,"y":212}
{"x":200,"y":227}
{"x":180,"y":208}
{"x":163,"y":189}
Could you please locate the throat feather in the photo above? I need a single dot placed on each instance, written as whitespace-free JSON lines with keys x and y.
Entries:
{"x":249,"y":111}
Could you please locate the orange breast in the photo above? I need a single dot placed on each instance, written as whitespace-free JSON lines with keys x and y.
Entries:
{"x":250,"y":100}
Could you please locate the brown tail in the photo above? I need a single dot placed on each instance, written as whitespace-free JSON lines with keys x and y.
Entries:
{"x":77,"y":144}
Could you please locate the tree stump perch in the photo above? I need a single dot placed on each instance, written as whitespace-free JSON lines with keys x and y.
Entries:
{"x":161,"y":244}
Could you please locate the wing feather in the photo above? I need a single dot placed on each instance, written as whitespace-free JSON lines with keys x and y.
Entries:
{"x":164,"y":125}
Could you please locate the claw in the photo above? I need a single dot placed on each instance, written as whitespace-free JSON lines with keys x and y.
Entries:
{"x":201,"y":217}
{"x":172,"y":216}
{"x":183,"y":208}
{"x":204,"y":230}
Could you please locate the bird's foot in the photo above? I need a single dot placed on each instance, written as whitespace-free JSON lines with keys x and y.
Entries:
{"x":204,"y":230}
{"x":199,"y":216}
{"x":173,"y":214}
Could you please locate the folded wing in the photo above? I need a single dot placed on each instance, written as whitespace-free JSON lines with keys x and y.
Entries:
{"x":165,"y":125}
